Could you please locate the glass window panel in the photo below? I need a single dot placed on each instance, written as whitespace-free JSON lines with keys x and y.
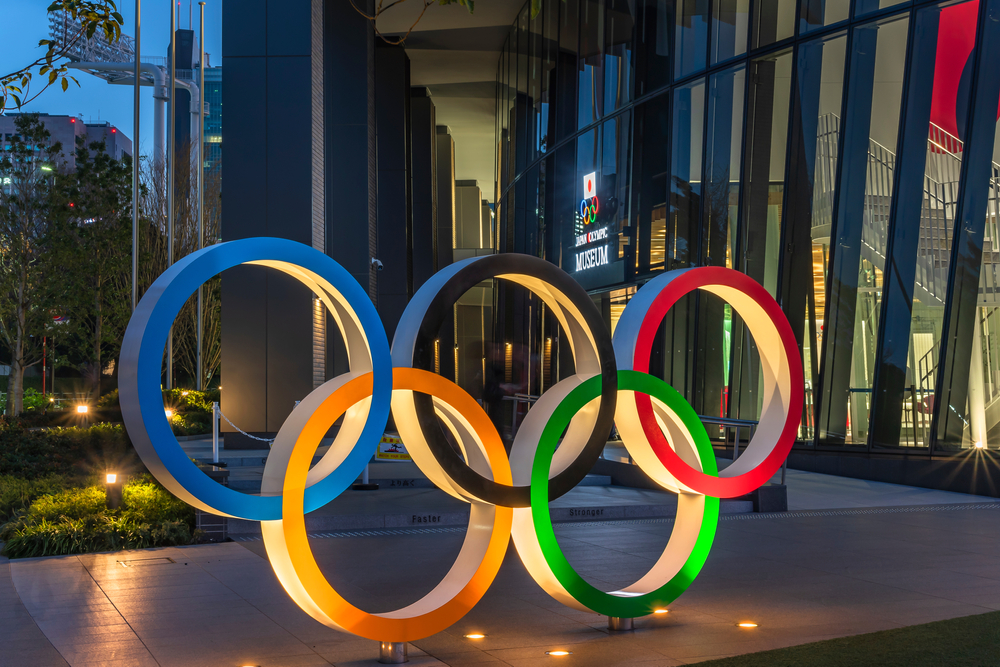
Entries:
{"x":726,"y":94}
{"x":760,"y":233}
{"x":867,"y":6}
{"x":618,"y":29}
{"x":819,"y":13}
{"x":549,"y":49}
{"x":819,"y":92}
{"x":730,"y":27}
{"x":652,"y":131}
{"x":691,"y":36}
{"x":591,"y":66}
{"x":957,"y":32}
{"x":566,"y":69}
{"x":683,"y":215}
{"x":522,"y":152}
{"x":886,"y":98}
{"x":774,"y":20}
{"x":535,"y":85}
{"x":512,"y":124}
{"x":653,"y":23}
{"x":722,"y":159}
{"x":616,"y":159}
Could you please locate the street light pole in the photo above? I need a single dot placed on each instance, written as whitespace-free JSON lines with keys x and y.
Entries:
{"x":135,"y":161}
{"x":171,"y":140}
{"x":201,"y":175}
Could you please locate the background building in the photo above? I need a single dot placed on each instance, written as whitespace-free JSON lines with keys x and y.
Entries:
{"x":67,"y":130}
{"x":793,"y":146}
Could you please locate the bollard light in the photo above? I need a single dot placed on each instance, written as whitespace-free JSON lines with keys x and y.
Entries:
{"x":112,"y":491}
{"x":82,"y":409}
{"x":169,"y":413}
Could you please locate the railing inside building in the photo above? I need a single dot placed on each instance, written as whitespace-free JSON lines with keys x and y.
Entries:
{"x":941,"y":180}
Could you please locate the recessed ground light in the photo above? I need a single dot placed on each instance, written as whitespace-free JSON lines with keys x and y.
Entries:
{"x":747,"y":625}
{"x":475,"y":635}
{"x":558,"y":653}
{"x":660,"y":611}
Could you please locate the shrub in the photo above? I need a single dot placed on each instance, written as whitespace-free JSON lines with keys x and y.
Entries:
{"x":32,"y":454}
{"x":78,"y":521}
{"x":17,"y":494}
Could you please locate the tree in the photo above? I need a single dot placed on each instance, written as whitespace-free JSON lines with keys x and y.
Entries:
{"x":89,"y":250}
{"x":153,"y":259}
{"x":92,"y":16}
{"x":26,"y":173}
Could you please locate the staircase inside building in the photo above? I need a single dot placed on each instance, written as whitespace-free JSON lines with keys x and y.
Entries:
{"x":941,"y":180}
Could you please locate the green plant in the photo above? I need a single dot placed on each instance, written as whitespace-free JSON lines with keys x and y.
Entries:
{"x":17,"y":494}
{"x":35,"y":453}
{"x":77,"y":521}
{"x":34,"y":400}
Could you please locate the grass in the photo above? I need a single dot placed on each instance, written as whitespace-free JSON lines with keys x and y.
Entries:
{"x":970,"y":641}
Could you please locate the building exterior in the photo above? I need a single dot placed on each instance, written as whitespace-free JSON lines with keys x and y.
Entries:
{"x":790,"y":143}
{"x":212,"y":98}
{"x":67,"y":130}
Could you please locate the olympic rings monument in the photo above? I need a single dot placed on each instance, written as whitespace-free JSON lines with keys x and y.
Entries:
{"x":558,"y":442}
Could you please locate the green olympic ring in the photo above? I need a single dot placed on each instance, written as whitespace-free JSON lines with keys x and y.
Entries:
{"x":625,"y":603}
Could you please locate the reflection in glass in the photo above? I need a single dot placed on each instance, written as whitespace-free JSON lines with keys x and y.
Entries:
{"x":819,"y":13}
{"x":885,"y":107}
{"x":760,"y":233}
{"x":867,"y":6}
{"x":590,"y":68}
{"x":685,"y":183}
{"x":818,"y":96}
{"x":691,"y":36}
{"x":722,"y":187}
{"x":652,"y":45}
{"x":652,"y":130}
{"x":774,"y":20}
{"x":730,"y":24}
{"x":618,"y":27}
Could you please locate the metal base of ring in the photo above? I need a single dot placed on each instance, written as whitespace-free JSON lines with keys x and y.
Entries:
{"x":616,"y":624}
{"x":392,"y":653}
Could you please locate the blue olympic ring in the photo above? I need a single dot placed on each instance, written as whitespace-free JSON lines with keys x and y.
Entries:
{"x":142,"y":357}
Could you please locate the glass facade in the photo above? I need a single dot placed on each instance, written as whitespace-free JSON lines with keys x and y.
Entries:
{"x":842,"y":154}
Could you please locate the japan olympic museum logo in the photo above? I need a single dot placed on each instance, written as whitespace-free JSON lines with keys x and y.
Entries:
{"x":589,"y":203}
{"x":559,"y":441}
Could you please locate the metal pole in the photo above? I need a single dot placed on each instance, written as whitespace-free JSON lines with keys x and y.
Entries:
{"x":201,"y":176}
{"x":135,"y":159}
{"x":215,"y":432}
{"x":171,"y":140}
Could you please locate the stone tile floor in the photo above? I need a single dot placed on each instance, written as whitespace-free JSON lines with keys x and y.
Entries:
{"x":804,"y":576}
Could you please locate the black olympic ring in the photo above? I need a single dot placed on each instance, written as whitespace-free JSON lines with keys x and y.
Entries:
{"x":453,"y":283}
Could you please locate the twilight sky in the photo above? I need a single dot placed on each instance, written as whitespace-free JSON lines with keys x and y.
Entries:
{"x":25,"y":22}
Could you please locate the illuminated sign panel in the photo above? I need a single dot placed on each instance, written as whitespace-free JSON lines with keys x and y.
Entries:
{"x":589,"y":207}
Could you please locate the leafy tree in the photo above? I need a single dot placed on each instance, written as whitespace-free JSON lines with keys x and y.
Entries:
{"x":89,"y":258}
{"x":26,"y":173}
{"x":92,"y":17}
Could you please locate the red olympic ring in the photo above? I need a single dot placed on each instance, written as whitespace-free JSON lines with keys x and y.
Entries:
{"x":761,"y":313}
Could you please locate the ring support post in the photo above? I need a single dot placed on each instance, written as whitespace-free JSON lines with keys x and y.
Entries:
{"x":618,"y":624}
{"x":392,"y":653}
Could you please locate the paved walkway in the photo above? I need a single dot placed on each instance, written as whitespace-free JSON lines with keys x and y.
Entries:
{"x":802,"y":577}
